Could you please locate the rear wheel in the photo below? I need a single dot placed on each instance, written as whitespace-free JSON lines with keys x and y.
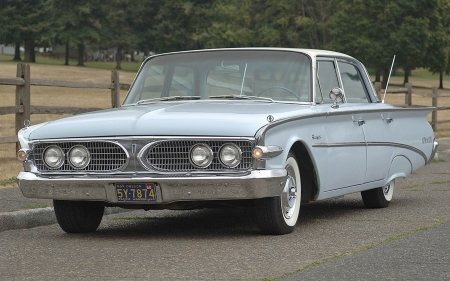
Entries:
{"x":379,"y":197}
{"x":78,"y":216}
{"x":278,"y":215}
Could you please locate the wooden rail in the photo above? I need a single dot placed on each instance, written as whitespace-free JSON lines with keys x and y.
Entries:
{"x":408,"y":100}
{"x":23,"y":108}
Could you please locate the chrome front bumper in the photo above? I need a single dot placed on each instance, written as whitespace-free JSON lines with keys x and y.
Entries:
{"x":257,"y":184}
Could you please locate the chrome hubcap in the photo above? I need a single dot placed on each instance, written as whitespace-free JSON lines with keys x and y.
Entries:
{"x":289,"y":195}
{"x":387,"y":188}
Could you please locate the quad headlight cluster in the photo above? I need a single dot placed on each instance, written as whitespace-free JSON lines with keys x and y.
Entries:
{"x":78,"y":157}
{"x":201,"y":155}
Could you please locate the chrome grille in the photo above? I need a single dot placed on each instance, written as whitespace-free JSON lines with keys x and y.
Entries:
{"x":173,"y":155}
{"x":105,"y":157}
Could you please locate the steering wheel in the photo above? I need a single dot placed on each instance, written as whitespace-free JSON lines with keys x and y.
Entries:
{"x":281,"y":88}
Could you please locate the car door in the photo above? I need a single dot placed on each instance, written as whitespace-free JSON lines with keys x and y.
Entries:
{"x":345,"y":142}
{"x":375,"y":119}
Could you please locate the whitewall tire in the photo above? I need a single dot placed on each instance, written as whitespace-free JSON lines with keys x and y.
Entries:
{"x":379,"y":197}
{"x":279,"y":215}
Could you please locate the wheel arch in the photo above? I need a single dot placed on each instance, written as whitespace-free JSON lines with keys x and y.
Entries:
{"x":400,"y":167}
{"x":308,"y":175}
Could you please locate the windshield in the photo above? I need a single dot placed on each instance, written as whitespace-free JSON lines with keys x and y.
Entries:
{"x":224,"y":74}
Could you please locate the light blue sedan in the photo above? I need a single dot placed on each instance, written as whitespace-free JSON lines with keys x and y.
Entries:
{"x":264,"y":128}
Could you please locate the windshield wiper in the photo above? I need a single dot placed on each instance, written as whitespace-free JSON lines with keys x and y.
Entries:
{"x":242,"y":97}
{"x":167,"y":99}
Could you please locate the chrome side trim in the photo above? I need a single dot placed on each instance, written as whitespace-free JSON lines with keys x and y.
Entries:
{"x":343,"y":144}
{"x":260,"y":135}
{"x":347,"y":144}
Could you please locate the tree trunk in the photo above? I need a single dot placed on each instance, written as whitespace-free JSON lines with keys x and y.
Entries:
{"x":441,"y":79}
{"x":385,"y":77}
{"x":80,"y":54}
{"x":377,"y":75}
{"x":406,"y":76}
{"x":29,"y":50}
{"x":119,"y":57}
{"x":66,"y":55}
{"x":17,"y":52}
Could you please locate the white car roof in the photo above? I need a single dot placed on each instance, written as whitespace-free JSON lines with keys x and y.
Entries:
{"x":311,"y":52}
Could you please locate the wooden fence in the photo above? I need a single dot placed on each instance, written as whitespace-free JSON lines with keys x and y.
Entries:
{"x":408,"y":92}
{"x":23,"y":108}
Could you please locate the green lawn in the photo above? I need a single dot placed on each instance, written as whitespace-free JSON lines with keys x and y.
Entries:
{"x":126,"y":66}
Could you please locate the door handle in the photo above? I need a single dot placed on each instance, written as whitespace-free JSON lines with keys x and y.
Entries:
{"x":359,"y":121}
{"x":388,"y":119}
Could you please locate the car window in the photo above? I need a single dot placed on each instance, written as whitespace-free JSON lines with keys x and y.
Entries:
{"x":278,"y":80}
{"x":352,"y":83}
{"x":182,"y":81}
{"x":278,"y":75}
{"x":178,"y":79}
{"x":326,"y":80}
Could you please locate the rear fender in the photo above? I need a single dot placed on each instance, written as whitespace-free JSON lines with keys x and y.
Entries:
{"x":400,"y":168}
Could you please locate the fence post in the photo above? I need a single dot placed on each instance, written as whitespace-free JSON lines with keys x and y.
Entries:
{"x":23,"y":97}
{"x":377,"y":86}
{"x":408,"y":95}
{"x":115,"y":91}
{"x":434,"y":113}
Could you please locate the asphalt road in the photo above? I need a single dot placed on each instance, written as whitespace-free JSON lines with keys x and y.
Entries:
{"x":334,"y":240}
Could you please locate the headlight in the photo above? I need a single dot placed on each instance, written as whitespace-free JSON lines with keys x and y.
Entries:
{"x":230,"y":155}
{"x":79,"y":157}
{"x":201,"y":155}
{"x":54,"y":156}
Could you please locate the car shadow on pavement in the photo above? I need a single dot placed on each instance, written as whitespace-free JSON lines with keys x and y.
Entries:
{"x":215,"y":222}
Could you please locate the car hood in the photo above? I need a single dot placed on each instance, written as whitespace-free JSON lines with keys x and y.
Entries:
{"x":199,"y":118}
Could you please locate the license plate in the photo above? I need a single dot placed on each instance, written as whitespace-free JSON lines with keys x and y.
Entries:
{"x":135,"y":192}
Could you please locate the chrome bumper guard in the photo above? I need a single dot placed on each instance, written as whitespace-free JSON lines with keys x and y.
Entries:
{"x":257,"y":184}
{"x":433,"y":152}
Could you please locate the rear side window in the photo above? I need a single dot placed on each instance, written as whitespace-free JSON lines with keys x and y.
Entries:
{"x":352,"y":82}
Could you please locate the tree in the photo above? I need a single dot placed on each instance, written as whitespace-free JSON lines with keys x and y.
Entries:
{"x":180,"y":25}
{"x":79,"y":23}
{"x":230,"y":26}
{"x":33,"y":23}
{"x":374,"y":31}
{"x":121,"y":26}
{"x":25,"y":21}
{"x":10,"y":23}
{"x":438,"y":53}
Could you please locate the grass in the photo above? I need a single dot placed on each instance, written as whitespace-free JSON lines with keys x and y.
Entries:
{"x":40,"y":59}
{"x":441,"y":182}
{"x":8,"y":181}
{"x":37,"y":206}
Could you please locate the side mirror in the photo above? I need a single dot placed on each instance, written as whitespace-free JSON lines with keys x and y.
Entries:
{"x":336,"y":96}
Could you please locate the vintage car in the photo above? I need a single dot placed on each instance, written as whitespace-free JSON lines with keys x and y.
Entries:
{"x":265,"y":128}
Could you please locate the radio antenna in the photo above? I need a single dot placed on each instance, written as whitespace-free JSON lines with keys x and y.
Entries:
{"x":389,"y":77}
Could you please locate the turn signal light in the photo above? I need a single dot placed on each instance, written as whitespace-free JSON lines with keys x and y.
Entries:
{"x":21,"y":155}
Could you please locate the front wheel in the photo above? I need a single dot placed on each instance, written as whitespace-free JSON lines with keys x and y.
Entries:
{"x":278,"y":215}
{"x":78,"y":216}
{"x":379,"y":197}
